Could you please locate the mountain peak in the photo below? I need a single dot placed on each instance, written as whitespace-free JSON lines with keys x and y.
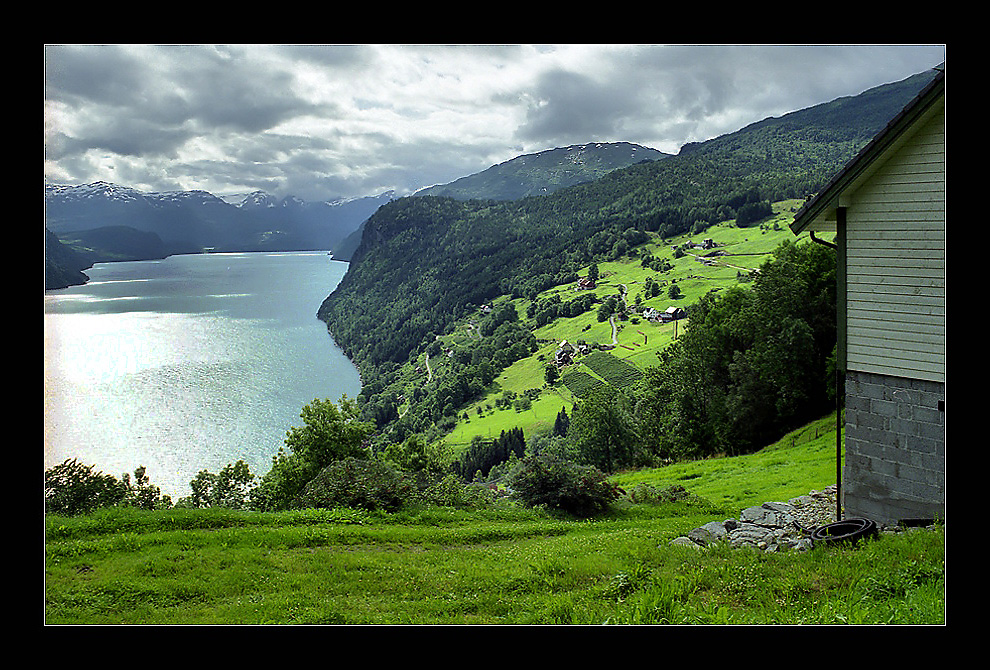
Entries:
{"x":258,"y":199}
{"x":543,"y":172}
{"x":97,"y":189}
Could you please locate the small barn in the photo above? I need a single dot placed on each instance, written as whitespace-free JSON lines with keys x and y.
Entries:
{"x":886,"y":209}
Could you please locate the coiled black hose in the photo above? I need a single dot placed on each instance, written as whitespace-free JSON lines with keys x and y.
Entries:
{"x":847,"y":531}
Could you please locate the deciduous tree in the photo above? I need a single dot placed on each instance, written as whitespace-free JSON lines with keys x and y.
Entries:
{"x":602,"y":429}
{"x":329,"y":433}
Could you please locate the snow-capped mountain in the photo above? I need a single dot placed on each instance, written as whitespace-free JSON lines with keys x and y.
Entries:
{"x":189,"y":221}
{"x":256,"y":199}
{"x":98,"y":190}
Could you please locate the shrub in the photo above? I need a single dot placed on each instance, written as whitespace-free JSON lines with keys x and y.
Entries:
{"x":329,"y":433}
{"x":231,"y":488}
{"x":556,"y":483}
{"x":452,"y":492}
{"x":354,"y":482}
{"x":73,"y":488}
{"x":142,"y":493}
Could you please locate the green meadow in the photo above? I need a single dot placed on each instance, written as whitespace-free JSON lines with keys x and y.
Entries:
{"x":499,"y":563}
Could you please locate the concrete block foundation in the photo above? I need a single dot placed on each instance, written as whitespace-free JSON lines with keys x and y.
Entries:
{"x":894,"y":466}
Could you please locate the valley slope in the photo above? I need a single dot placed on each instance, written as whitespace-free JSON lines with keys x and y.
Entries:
{"x":430,"y":269}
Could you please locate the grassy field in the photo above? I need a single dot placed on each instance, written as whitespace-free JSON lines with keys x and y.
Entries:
{"x":503,"y":564}
{"x":637,"y":342}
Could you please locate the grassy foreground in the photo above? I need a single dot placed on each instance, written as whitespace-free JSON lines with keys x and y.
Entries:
{"x":502,"y":565}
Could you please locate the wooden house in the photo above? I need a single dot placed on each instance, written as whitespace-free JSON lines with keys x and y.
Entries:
{"x":564,"y":354}
{"x":887,"y":211}
{"x":651,"y":314}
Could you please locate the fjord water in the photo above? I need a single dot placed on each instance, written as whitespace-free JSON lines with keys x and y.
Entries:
{"x":189,"y":363}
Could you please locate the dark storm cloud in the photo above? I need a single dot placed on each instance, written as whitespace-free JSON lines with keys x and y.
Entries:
{"x":105,"y":75}
{"x":569,"y":107}
{"x":672,"y":95}
{"x":355,"y":56}
{"x":153,"y":102}
{"x":223,"y":88}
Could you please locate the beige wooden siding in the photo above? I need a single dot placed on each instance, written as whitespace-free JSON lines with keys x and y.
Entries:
{"x":896,"y":262}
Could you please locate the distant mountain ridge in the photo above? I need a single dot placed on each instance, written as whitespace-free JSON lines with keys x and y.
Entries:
{"x":545,"y":171}
{"x":191,"y":221}
{"x":535,"y":174}
{"x":93,"y":219}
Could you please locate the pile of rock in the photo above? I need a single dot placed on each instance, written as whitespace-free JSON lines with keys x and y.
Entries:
{"x":770,"y":526}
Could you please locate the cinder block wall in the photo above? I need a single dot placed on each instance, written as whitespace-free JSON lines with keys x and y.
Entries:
{"x":894,"y":464}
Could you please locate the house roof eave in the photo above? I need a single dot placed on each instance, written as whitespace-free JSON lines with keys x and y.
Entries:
{"x":817,"y":214}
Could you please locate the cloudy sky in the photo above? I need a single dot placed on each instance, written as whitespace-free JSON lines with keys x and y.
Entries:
{"x":323,"y":122}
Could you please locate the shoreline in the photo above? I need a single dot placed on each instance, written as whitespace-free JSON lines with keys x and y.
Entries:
{"x":205,"y":252}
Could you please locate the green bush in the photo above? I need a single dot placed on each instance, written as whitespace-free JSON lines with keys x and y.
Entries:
{"x":73,"y":488}
{"x":452,"y":492}
{"x":556,"y":483}
{"x":644,"y":493}
{"x":353,"y":482}
{"x":330,"y":432}
{"x":231,"y":488}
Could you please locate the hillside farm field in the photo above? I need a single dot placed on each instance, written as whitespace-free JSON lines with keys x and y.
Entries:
{"x":637,"y":341}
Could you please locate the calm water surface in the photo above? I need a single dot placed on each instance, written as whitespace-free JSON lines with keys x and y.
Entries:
{"x":188,"y":363}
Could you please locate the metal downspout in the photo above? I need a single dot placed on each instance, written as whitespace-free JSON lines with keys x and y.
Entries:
{"x":839,"y":247}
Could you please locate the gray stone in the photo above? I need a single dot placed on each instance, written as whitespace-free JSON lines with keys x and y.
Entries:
{"x":684,"y":542}
{"x":717,"y":529}
{"x":748,"y":534}
{"x":711,"y":532}
{"x":780,"y":508}
{"x":764,"y":515}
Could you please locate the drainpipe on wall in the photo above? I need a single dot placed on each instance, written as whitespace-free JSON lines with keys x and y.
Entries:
{"x":840,"y":346}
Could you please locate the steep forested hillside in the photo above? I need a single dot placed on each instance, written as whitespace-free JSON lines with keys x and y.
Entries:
{"x":115,"y":243}
{"x":425,"y":261}
{"x":63,"y":266}
{"x":531,"y":174}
